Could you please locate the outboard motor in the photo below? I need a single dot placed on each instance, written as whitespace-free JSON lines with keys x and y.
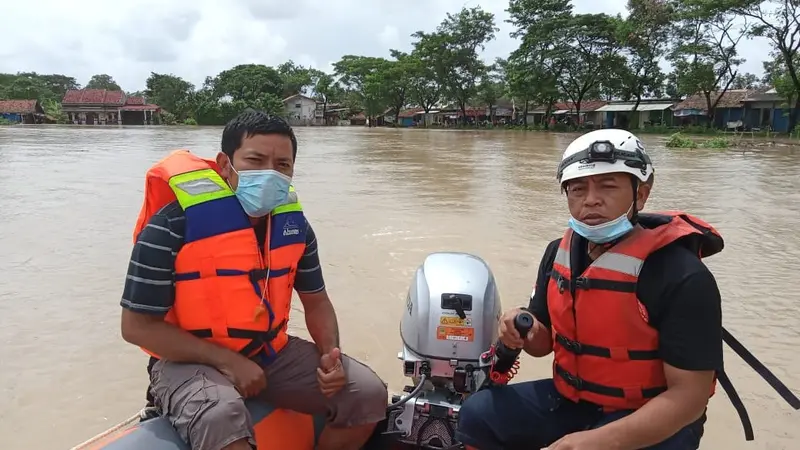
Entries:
{"x":450,"y":321}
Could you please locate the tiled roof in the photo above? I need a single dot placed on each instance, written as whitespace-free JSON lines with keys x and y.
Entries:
{"x":586,"y":106}
{"x":730,"y":99}
{"x":134,"y":101}
{"x":411,"y":112}
{"x":18,"y":106}
{"x":764,"y":95}
{"x":147,"y":107}
{"x":291,"y":97}
{"x":93,"y":97}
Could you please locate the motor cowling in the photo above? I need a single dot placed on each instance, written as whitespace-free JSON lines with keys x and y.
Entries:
{"x":452,"y":312}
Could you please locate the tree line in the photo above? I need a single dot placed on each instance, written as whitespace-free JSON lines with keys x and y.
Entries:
{"x":562,"y":56}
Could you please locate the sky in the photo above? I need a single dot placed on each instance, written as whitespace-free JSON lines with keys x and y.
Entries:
{"x":198,"y":38}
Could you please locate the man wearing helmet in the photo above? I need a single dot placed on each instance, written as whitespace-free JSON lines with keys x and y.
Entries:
{"x":629,"y":310}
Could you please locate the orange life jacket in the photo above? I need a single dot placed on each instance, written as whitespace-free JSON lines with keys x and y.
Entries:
{"x":605,"y":350}
{"x":227,"y":290}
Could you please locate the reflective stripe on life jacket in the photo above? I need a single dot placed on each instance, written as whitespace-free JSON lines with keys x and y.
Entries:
{"x":220,"y":273}
{"x":606,"y":352}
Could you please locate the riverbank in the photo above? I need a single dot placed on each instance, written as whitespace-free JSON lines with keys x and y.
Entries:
{"x":686,"y":137}
{"x":728,"y":140}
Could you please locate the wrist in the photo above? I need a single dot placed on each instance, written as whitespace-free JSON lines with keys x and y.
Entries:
{"x":610,"y":437}
{"x":222,"y":358}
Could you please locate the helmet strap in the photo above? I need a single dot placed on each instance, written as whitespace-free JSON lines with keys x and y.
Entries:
{"x":635,"y":209}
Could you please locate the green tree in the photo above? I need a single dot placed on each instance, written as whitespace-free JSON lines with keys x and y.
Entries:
{"x":704,"y":55}
{"x":27,"y":87}
{"x":325,"y":90}
{"x":232,"y":91}
{"x":52,"y":109}
{"x":363,"y":78}
{"x":170,"y":92}
{"x":56,"y":83}
{"x":296,"y":79}
{"x":397,"y":77}
{"x":746,"y":81}
{"x":454,"y":46}
{"x":424,"y":89}
{"x":491,"y":88}
{"x":31,"y":85}
{"x":248,"y":82}
{"x":103,"y":81}
{"x":644,"y":35}
{"x":778,"y":76}
{"x":533,"y":70}
{"x":589,"y":56}
{"x":777,"y":20}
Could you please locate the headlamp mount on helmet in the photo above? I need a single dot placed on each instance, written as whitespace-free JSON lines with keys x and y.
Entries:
{"x":605,"y":151}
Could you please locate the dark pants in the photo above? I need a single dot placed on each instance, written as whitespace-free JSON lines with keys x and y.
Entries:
{"x":534,"y":415}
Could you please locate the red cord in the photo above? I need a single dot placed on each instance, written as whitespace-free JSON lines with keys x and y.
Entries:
{"x":502,"y":378}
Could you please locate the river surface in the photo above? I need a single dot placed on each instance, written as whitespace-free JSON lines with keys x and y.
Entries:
{"x":379,"y":200}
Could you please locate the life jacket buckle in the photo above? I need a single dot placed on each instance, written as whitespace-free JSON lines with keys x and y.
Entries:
{"x":573,"y":381}
{"x":574,"y":347}
{"x":562,"y":284}
{"x":257,"y":275}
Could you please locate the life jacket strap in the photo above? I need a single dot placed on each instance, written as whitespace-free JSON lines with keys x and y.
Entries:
{"x":608,"y":391}
{"x":618,"y":354}
{"x":584,"y":283}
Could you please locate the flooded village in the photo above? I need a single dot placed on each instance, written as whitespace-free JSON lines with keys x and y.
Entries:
{"x":744,"y":110}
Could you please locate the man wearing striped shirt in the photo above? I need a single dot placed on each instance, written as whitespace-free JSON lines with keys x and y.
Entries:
{"x":200,"y":385}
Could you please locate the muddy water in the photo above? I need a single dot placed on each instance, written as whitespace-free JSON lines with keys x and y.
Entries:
{"x":380,"y":200}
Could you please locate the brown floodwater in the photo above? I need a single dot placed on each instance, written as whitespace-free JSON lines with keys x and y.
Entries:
{"x":379,"y":200}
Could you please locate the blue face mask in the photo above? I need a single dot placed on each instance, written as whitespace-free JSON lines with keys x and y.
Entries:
{"x":604,"y":232}
{"x":260,"y":191}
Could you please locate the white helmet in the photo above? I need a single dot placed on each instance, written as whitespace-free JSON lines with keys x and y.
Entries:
{"x":605,"y":151}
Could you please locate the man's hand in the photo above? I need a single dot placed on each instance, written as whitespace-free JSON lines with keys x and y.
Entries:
{"x":330,"y":373}
{"x":583,"y":440}
{"x":247,"y":376}
{"x":509,"y":335}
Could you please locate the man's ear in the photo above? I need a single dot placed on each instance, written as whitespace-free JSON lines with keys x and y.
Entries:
{"x":224,"y":164}
{"x":642,"y":194}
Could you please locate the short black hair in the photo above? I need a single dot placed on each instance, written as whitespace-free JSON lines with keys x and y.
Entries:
{"x":252,"y":123}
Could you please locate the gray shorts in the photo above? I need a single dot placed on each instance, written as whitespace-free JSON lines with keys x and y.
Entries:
{"x":208,"y":412}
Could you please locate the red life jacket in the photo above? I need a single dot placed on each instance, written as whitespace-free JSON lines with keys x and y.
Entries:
{"x":605,"y":350}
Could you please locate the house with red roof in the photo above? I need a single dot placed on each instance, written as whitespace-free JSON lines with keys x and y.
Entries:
{"x":21,"y":111}
{"x":104,"y":107}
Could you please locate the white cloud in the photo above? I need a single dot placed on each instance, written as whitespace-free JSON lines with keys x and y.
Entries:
{"x":389,"y":36}
{"x":198,"y":38}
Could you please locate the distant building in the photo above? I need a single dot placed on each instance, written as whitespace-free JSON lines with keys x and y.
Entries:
{"x":649,"y":113}
{"x":21,"y":111}
{"x":766,"y":110}
{"x":567,"y":113}
{"x":300,"y":110}
{"x":333,"y":114}
{"x":104,"y":107}
{"x":728,"y":112}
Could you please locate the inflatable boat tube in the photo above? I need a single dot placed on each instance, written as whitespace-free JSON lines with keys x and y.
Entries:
{"x":274,"y":428}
